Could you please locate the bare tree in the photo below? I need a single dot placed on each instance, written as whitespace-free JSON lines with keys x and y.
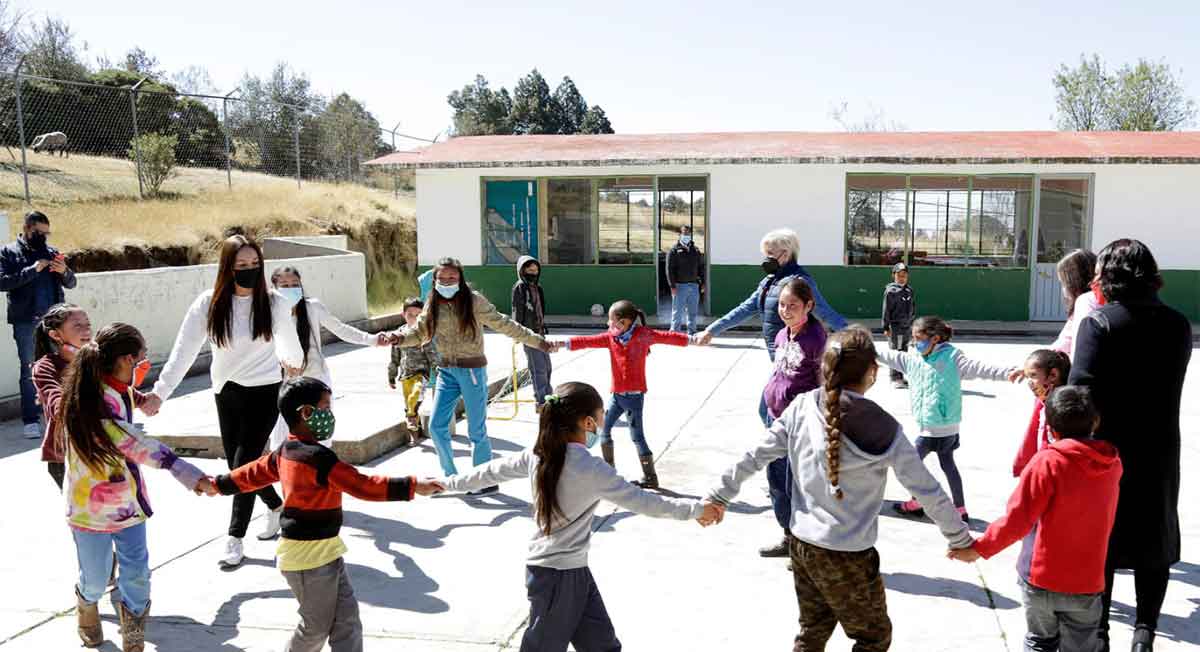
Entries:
{"x":875,"y":120}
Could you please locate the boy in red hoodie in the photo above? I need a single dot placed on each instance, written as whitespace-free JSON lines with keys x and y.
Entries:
{"x":1063,"y":509}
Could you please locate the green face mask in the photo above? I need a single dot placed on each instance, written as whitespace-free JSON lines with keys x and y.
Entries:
{"x":321,"y":423}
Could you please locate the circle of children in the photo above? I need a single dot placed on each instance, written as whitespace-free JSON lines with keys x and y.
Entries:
{"x":826,"y":446}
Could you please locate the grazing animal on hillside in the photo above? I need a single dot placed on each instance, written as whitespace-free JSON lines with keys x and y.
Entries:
{"x":55,"y":141}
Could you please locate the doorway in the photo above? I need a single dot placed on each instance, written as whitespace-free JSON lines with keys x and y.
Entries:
{"x":682,"y":201}
{"x":510,"y":220}
{"x":1062,"y":226}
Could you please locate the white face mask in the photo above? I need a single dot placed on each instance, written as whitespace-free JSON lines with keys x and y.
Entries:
{"x":293,"y":295}
{"x":447,"y":291}
{"x":685,"y":240}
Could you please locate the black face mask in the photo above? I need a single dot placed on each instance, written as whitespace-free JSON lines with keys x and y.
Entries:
{"x":247,"y":279}
{"x":770,"y":265}
{"x":37,"y":240}
{"x":530,"y":278}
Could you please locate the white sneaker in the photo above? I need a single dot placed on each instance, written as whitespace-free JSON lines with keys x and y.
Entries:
{"x":272,"y":527}
{"x":233,"y":554}
{"x":33,"y":431}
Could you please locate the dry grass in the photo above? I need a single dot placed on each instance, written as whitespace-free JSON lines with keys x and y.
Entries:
{"x":93,"y":206}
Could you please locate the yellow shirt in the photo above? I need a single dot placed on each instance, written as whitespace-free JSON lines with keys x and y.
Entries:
{"x":293,"y":555}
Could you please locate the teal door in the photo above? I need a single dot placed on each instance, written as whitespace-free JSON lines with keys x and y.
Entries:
{"x":510,"y":220}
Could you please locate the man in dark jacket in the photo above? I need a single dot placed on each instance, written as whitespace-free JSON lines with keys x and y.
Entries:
{"x":529,"y":310}
{"x":899,"y":311}
{"x":33,"y":274}
{"x":685,"y":275}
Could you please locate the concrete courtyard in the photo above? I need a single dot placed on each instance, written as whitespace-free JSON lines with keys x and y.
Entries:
{"x":446,"y":573}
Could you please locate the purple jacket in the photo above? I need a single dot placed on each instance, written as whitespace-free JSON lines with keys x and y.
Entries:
{"x":797,"y":366}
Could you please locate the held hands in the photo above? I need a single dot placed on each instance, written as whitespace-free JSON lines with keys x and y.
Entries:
{"x":552,"y":346}
{"x":429,"y":487}
{"x":713,"y":513}
{"x":151,"y":405}
{"x":383,"y":339}
{"x":967,"y":554}
{"x":703,"y":338}
{"x":206,"y":487}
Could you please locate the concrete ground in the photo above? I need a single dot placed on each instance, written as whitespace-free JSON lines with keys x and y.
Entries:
{"x":446,"y":573}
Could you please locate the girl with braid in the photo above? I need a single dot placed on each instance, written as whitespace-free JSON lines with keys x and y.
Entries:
{"x":840,"y":445}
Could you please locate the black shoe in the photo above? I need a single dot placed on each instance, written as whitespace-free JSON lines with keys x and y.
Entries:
{"x":781,"y":549}
{"x":1143,"y":640}
{"x":485,"y":491}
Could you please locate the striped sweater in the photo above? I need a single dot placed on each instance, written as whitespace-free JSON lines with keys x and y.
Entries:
{"x":313,"y":480}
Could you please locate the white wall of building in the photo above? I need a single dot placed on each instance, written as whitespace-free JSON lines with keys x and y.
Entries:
{"x":1149,"y":202}
{"x":155,"y":300}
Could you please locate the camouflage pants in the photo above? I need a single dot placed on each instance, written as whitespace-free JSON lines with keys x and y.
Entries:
{"x":839,"y":587}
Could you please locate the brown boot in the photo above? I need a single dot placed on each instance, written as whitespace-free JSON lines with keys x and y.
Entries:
{"x":649,"y":477}
{"x":88,"y":614}
{"x":133,"y":628}
{"x":606,"y":450}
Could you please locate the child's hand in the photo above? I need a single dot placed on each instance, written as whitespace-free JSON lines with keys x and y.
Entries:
{"x":704,"y":338}
{"x":698,"y":339}
{"x":713,"y":513}
{"x":967,"y":554}
{"x":1016,"y":375}
{"x":382,"y":339}
{"x":206,"y":487}
{"x":429,"y":487}
{"x":392,"y":385}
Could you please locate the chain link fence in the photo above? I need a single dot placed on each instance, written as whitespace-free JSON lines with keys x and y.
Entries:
{"x":128,"y":136}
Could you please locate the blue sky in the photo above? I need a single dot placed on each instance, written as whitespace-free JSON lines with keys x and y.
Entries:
{"x":665,"y":66}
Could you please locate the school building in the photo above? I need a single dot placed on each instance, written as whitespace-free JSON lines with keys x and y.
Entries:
{"x":981,"y":217}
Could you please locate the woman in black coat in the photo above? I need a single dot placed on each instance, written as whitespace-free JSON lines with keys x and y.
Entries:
{"x":1133,"y":352}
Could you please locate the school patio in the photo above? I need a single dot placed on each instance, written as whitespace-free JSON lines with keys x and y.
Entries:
{"x":446,"y":573}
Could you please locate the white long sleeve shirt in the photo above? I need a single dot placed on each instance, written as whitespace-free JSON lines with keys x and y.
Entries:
{"x":1084,"y":305}
{"x":243,"y":360}
{"x":318,"y":316}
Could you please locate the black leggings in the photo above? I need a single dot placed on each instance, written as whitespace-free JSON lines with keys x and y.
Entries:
{"x":246,"y":416}
{"x":1150,"y":587}
{"x":944,"y":447}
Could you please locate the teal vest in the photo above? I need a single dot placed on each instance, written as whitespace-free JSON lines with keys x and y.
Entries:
{"x":935,"y":388}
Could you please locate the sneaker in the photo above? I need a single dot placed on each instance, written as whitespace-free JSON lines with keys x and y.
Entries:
{"x":781,"y":549}
{"x":33,"y":431}
{"x":271,"y":530}
{"x":485,"y":491}
{"x":909,"y":508}
{"x":233,"y":556}
{"x":962,"y":511}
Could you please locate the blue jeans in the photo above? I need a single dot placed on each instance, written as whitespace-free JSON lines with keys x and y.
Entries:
{"x":685,"y":304}
{"x":631,"y":404}
{"x":779,"y":479}
{"x":95,"y":553}
{"x":23,"y":335}
{"x":471,"y":385}
{"x":539,"y":370}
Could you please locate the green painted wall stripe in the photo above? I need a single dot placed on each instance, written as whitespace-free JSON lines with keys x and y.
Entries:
{"x":572,"y":289}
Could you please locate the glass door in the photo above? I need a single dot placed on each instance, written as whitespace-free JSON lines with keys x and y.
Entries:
{"x":1063,"y":209}
{"x":682,"y":201}
{"x":510,"y":221}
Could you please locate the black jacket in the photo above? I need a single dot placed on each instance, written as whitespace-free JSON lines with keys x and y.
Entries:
{"x":899,"y":306}
{"x":1134,"y":356}
{"x":17,"y":276}
{"x":529,"y":300}
{"x":685,"y":264}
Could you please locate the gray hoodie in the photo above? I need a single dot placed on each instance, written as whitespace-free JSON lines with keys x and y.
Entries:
{"x":871,"y":443}
{"x":585,"y":480}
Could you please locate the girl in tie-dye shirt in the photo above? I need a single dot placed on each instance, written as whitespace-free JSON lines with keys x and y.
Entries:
{"x":106,"y":496}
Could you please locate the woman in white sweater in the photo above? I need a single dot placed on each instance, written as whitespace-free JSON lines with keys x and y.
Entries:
{"x":252,"y":334}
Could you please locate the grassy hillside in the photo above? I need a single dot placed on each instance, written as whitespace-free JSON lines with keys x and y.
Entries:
{"x":97,"y":217}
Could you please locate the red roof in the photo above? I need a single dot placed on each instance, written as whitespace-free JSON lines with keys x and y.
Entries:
{"x":806,"y":147}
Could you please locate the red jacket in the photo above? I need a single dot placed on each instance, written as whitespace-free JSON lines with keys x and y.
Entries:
{"x":629,"y":360}
{"x":313,"y":480}
{"x":1036,"y":438}
{"x":1063,"y":507}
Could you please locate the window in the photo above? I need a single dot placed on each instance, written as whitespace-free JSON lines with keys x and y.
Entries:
{"x":1062,"y":218}
{"x":625,"y":207}
{"x":569,"y":222}
{"x":938,"y":220}
{"x":681,"y":202}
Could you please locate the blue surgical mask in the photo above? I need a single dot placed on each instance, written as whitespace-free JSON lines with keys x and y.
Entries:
{"x":447,"y":291}
{"x":923,"y":346}
{"x":293,"y":295}
{"x":685,"y":240}
{"x":592,"y":438}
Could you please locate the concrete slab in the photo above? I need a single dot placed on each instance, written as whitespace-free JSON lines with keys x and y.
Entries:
{"x":446,"y":573}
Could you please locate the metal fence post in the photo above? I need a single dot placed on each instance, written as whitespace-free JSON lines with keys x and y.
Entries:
{"x":137,"y":150}
{"x":21,"y":131}
{"x":225,"y":129}
{"x":395,"y":170}
{"x":296,"y":132}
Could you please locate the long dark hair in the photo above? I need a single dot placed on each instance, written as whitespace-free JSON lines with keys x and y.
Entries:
{"x":559,"y":421}
{"x":300,"y":312}
{"x":849,"y":355}
{"x":1128,"y":271}
{"x":626,"y":309}
{"x":464,"y":301}
{"x":55,"y":317}
{"x":1075,"y":272}
{"x":220,"y":311}
{"x":933,"y":326}
{"x":83,"y":406}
